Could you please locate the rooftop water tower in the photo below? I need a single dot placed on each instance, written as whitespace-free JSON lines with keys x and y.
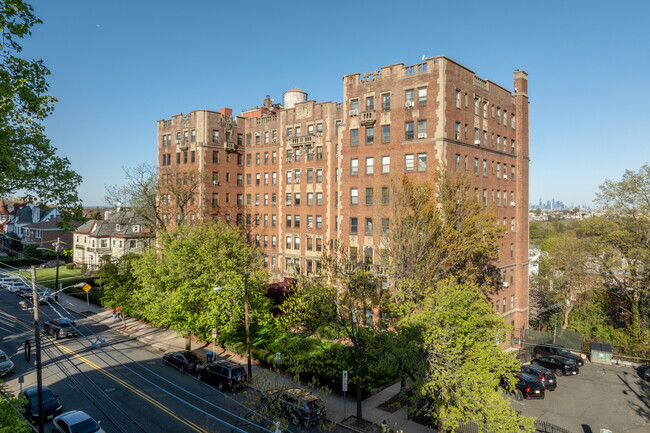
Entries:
{"x":293,"y":97}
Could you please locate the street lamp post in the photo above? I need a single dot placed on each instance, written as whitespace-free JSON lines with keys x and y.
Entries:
{"x":246,"y":320}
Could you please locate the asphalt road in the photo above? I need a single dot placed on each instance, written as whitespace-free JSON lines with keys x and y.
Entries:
{"x":122,"y":384}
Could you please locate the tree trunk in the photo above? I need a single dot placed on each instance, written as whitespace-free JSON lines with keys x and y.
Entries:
{"x":188,"y":342}
{"x":567,"y":310}
{"x":635,"y":319}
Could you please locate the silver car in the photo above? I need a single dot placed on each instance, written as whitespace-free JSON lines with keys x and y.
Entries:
{"x":6,"y":365}
{"x":76,"y":421}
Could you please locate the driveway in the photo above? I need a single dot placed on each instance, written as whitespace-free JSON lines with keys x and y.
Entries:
{"x":600,"y":397}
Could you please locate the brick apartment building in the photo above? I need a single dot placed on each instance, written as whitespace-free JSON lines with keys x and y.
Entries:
{"x":304,"y":174}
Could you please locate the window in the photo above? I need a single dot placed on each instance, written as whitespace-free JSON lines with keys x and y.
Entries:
{"x":369,"y":196}
{"x":296,"y":176}
{"x":385,"y":164}
{"x":296,"y":221}
{"x":319,"y":153}
{"x":296,"y":199}
{"x":215,"y":136}
{"x":370,"y":165}
{"x":289,"y":155}
{"x":457,"y":162}
{"x":512,"y":251}
{"x":354,"y":166}
{"x":133,"y":243}
{"x":319,"y":221}
{"x":385,"y":101}
{"x":457,"y":98}
{"x":457,"y":131}
{"x":498,"y":197}
{"x":484,"y":167}
{"x":484,"y":142}
{"x":476,"y":106}
{"x":385,"y":226}
{"x":385,"y":195}
{"x":370,"y":103}
{"x":422,"y":162}
{"x":512,"y":121}
{"x":310,"y":175}
{"x":385,"y":133}
{"x":274,"y":220}
{"x":422,"y":96}
{"x":289,"y":177}
{"x":505,"y":117}
{"x":408,"y":130}
{"x":498,"y":170}
{"x":297,"y":131}
{"x":512,"y":198}
{"x":485,"y":197}
{"x":354,"y":104}
{"x":369,"y":226}
{"x":422,"y":128}
{"x":257,"y":138}
{"x":309,"y":243}
{"x":353,"y":226}
{"x":354,"y":137}
{"x":409,"y":162}
{"x":289,"y":133}
{"x":409,"y":96}
{"x":310,"y":129}
{"x":485,"y":109}
{"x":319,"y":199}
{"x":354,"y":196}
{"x":274,"y":157}
{"x":266,"y":220}
{"x":512,"y":225}
{"x":504,"y":305}
{"x":319,"y":175}
{"x":370,"y":135}
{"x":287,"y":243}
{"x":512,"y":172}
{"x":319,"y":129}
{"x":499,"y":115}
{"x":319,"y":246}
{"x":310,"y":198}
{"x":289,"y":221}
{"x":215,"y":199}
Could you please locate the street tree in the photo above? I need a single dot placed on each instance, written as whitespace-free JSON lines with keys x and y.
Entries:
{"x":11,"y":419}
{"x":338,"y":297}
{"x":566,"y":272}
{"x":157,"y":196}
{"x":29,"y":164}
{"x":464,"y":365}
{"x":175,"y":285}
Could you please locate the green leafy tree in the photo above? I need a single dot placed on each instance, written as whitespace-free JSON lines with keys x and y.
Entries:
{"x":624,"y":238}
{"x":565,"y":274}
{"x":176,"y":285}
{"x":337,"y":297}
{"x":464,"y":364}
{"x":11,"y":421}
{"x":28,"y":162}
{"x":118,"y":282}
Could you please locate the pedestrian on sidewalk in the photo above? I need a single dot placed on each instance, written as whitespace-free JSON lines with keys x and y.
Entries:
{"x":114,"y":314}
{"x":118,"y":310}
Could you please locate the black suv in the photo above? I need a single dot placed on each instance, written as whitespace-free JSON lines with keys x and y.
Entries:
{"x":528,"y":386}
{"x":185,"y":360}
{"x":61,"y":327}
{"x":560,"y":365}
{"x":51,"y":404}
{"x":554,"y":349}
{"x":224,"y":374}
{"x":544,"y":375}
{"x":302,"y":407}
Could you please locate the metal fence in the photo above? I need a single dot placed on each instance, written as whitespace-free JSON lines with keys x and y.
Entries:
{"x":531,"y":338}
{"x":540,"y":427}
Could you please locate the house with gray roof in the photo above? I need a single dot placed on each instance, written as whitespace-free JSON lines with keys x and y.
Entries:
{"x":122,"y":233}
{"x":45,"y":233}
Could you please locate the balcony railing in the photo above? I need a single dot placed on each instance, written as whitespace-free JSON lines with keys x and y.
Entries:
{"x":305,"y":140}
{"x":368,"y":118}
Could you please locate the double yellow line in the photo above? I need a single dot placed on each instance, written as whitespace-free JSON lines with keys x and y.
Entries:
{"x":122,"y":382}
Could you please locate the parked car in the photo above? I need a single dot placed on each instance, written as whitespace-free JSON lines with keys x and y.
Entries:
{"x":6,"y":365}
{"x":51,"y":404}
{"x":300,"y":406}
{"x":185,"y":360}
{"x":17,"y":286}
{"x":560,"y":365}
{"x":7,"y":281}
{"x":43,"y":296}
{"x":646,"y":374}
{"x":61,"y":327}
{"x":224,"y":374}
{"x":544,"y":375}
{"x":76,"y":421}
{"x":528,"y":386}
{"x":554,"y":349}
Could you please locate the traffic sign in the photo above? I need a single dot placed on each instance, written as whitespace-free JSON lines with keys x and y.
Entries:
{"x":345,"y":381}
{"x":214,"y":332}
{"x":87,"y":288}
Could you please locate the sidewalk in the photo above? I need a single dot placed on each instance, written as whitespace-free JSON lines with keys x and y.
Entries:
{"x":164,"y":340}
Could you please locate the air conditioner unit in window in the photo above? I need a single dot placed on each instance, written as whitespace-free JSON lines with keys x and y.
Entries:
{"x":410,"y":104}
{"x":309,"y":226}
{"x":477,"y":142}
{"x":178,"y":141}
{"x":274,"y":140}
{"x":288,"y":203}
{"x":257,"y":203}
{"x":506,"y":284}
{"x":505,"y":177}
{"x":257,"y":134}
{"x":319,"y":134}
{"x":215,"y":182}
{"x":422,"y":135}
{"x":512,"y":203}
{"x":354,"y":112}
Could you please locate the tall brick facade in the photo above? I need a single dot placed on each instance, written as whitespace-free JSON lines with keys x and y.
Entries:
{"x":307,"y":174}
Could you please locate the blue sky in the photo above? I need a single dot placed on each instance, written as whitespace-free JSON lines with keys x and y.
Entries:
{"x":119,"y":66}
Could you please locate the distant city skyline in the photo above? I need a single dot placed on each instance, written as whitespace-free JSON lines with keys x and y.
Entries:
{"x":115,"y":73}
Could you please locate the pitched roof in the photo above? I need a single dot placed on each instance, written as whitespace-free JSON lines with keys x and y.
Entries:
{"x":126,"y":220}
{"x":3,"y":207}
{"x":49,"y":224}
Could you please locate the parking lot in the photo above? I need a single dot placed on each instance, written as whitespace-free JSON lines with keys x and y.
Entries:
{"x":608,"y":397}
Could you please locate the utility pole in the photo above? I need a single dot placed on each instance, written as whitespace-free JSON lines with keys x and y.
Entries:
{"x":39,"y":375}
{"x":57,"y":247}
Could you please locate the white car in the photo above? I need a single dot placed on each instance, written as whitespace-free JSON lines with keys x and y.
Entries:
{"x":6,"y":365}
{"x":76,"y":421}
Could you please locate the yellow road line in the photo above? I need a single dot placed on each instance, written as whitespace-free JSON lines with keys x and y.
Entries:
{"x":123,"y":383}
